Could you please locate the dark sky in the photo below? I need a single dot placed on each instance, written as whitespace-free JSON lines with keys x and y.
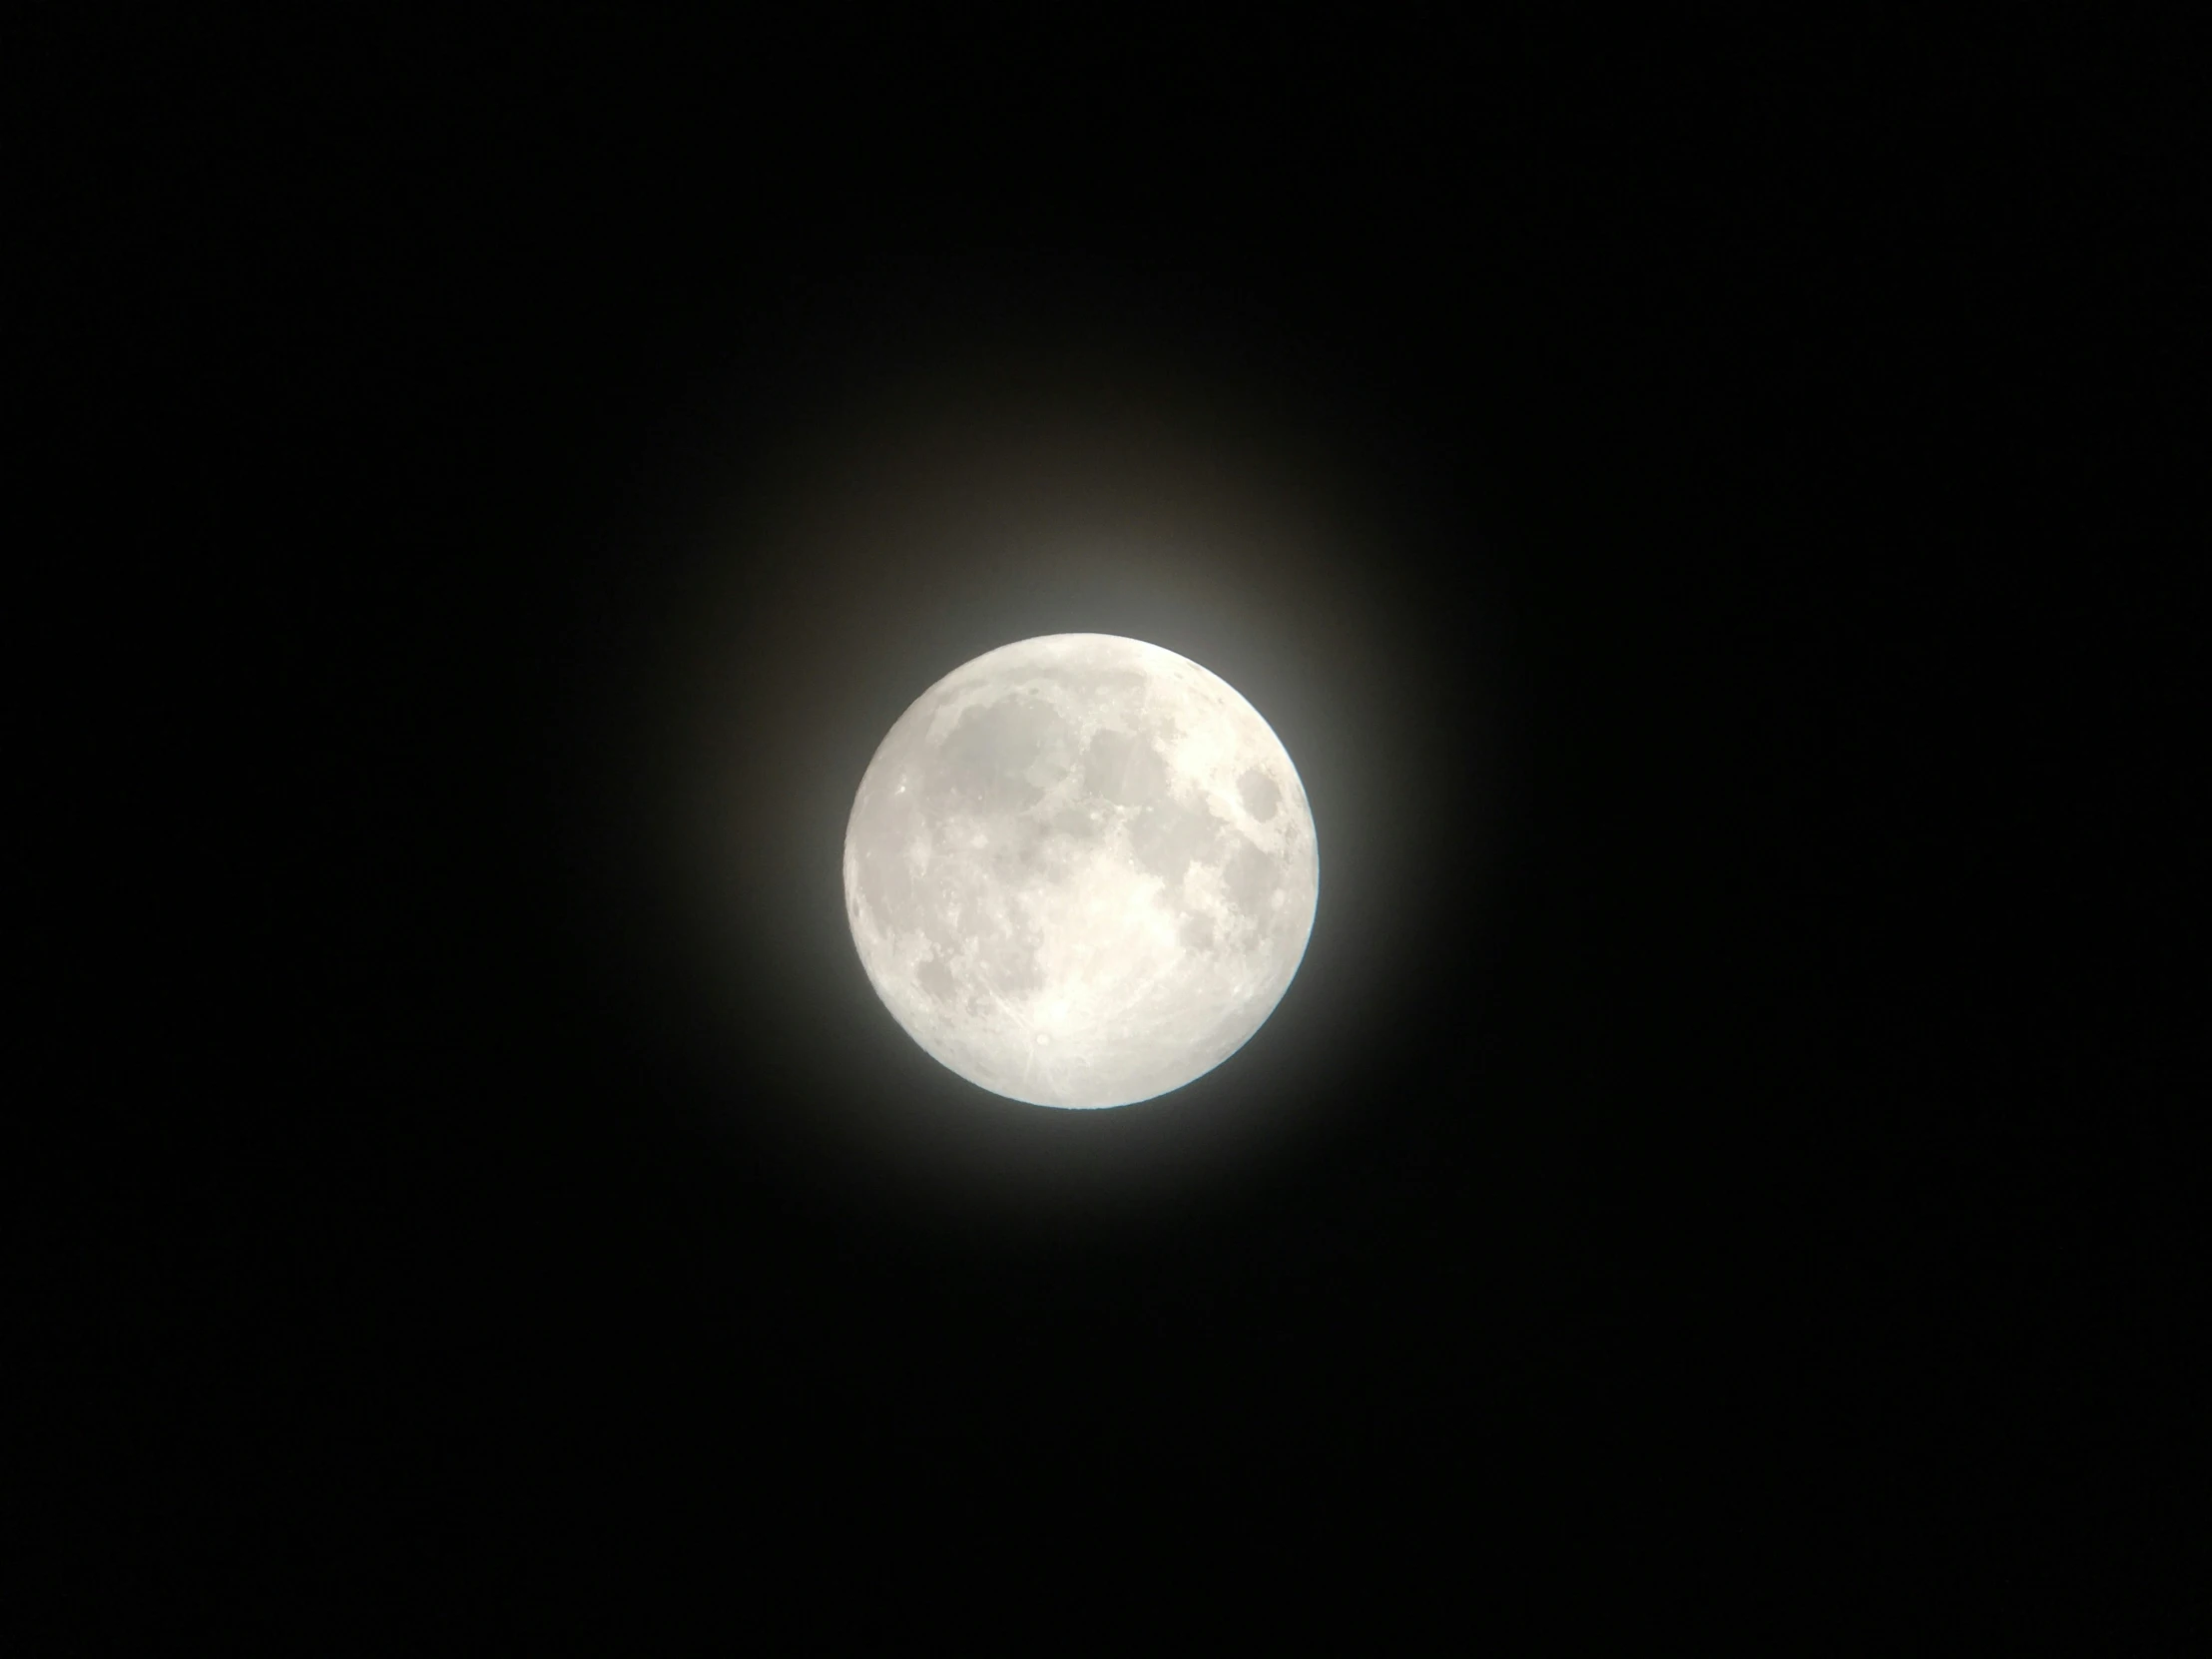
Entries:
{"x":1665,"y":496}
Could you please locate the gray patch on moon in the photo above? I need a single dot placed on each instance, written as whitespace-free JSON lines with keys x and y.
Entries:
{"x":1000,"y":754}
{"x":1123,"y":769}
{"x":1250,"y":875}
{"x":1168,"y":838}
{"x":936,"y":979}
{"x":1260,"y":794}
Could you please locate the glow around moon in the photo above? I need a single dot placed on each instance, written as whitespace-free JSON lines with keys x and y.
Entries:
{"x":1080,"y":870}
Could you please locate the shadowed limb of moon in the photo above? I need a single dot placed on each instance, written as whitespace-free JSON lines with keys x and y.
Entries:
{"x":1080,"y":870}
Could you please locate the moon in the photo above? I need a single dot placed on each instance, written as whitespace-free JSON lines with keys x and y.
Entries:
{"x":1080,"y":870}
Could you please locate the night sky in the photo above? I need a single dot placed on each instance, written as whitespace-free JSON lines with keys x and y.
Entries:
{"x":1727,"y":1132}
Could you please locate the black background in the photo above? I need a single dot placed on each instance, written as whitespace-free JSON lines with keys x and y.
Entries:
{"x":1728,"y":1134}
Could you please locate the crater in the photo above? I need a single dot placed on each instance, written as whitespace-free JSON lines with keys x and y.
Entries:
{"x":1262,"y":795}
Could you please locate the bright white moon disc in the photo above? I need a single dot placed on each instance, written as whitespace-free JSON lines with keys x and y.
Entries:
{"x":1080,"y":870}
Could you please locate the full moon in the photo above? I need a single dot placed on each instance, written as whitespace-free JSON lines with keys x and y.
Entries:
{"x":1080,"y":870}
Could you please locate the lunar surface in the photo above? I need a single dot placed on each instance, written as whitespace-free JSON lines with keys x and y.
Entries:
{"x":1080,"y":870}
